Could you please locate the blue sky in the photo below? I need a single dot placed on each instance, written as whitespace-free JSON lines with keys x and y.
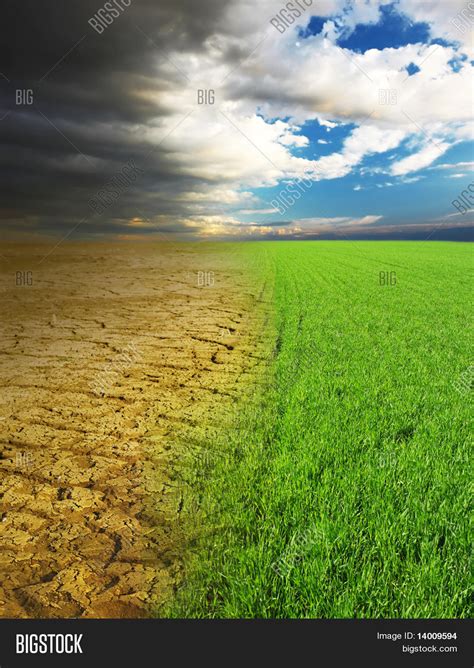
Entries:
{"x":415,"y":180}
{"x":393,"y":29}
{"x":419,"y":197}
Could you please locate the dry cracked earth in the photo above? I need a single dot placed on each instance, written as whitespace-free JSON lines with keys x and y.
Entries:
{"x":112,"y":360}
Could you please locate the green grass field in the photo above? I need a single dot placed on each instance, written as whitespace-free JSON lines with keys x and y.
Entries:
{"x":343,"y":488}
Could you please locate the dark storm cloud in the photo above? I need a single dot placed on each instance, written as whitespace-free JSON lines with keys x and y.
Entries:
{"x":89,"y":92}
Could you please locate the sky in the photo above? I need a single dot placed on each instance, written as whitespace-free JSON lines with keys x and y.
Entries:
{"x":236,"y":119}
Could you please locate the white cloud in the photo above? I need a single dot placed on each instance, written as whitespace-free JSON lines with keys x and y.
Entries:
{"x":327,"y":124}
{"x":411,"y":179}
{"x":455,"y":165}
{"x":419,"y":160}
{"x":313,"y":223}
{"x":256,"y":212}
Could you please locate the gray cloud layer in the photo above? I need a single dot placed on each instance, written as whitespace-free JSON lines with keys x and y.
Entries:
{"x":82,"y":126}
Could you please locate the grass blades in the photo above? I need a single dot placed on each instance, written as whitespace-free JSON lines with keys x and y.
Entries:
{"x":343,"y":489}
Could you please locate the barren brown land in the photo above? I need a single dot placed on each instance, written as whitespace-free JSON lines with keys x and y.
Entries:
{"x":115,"y":360}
